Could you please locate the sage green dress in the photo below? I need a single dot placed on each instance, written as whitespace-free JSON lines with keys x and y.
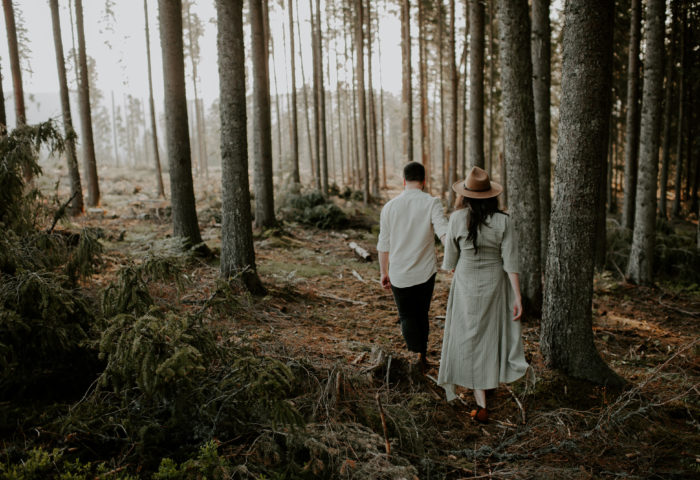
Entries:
{"x":482,"y":345}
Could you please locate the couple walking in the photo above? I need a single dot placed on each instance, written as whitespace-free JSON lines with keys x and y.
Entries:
{"x":482,"y":344}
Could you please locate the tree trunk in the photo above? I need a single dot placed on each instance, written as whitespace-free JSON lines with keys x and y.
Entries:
{"x":360,"y":73}
{"x":178,"y":140}
{"x":440,"y":91}
{"x":262,"y":138}
{"x":541,"y":53}
{"x":676,"y":209}
{"x":17,"y":86}
{"x":295,"y":133}
{"x":151,"y":103}
{"x":312,"y":153}
{"x":3,"y":114}
{"x":316,"y":98}
{"x":114,"y":132}
{"x":321,"y":105}
{"x":465,"y":97}
{"x":406,"y":90}
{"x":423,"y":80}
{"x":237,"y":253}
{"x":632,"y":124}
{"x":89,"y":162}
{"x":492,"y":81}
{"x":476,"y":83}
{"x":640,"y":267}
{"x":668,"y":101}
{"x":76,"y":205}
{"x":566,"y":338}
{"x":520,"y":143}
{"x":372,"y":132}
{"x":201,"y":148}
{"x":454,"y":100}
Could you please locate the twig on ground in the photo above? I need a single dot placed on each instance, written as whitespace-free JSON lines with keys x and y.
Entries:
{"x":520,"y":405}
{"x":358,"y":276}
{"x":59,"y":213}
{"x":340,"y":299}
{"x":387,"y":445}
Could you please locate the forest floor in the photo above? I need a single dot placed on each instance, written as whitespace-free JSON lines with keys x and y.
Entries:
{"x":325,"y":308}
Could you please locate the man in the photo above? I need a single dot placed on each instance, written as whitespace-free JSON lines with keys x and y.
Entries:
{"x":407,"y":261}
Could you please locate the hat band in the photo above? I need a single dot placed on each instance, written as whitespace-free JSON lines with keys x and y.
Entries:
{"x":475,"y":190}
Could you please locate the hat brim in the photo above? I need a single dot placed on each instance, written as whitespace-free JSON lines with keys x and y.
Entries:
{"x":494,"y":191}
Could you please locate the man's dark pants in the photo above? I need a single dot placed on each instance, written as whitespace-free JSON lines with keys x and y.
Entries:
{"x":413,"y":304}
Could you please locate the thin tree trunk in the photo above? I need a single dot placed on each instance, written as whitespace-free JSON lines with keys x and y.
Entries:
{"x":181,"y":189}
{"x":355,"y":154}
{"x":541,"y":53}
{"x":341,"y":154}
{"x":262,"y":143}
{"x":114,"y":132}
{"x":360,"y":73}
{"x":640,"y":267}
{"x":76,"y":205}
{"x":196,"y":113}
{"x":566,"y":337}
{"x":278,"y":112}
{"x":444,"y":160}
{"x":406,"y":89}
{"x":423,"y":80}
{"x":668,"y":101}
{"x":316,"y":97}
{"x":492,"y":82}
{"x":237,"y":253}
{"x":3,"y":115}
{"x":520,"y":143}
{"x":454,"y":100}
{"x":632,"y":135}
{"x":322,"y":139}
{"x":465,"y":97}
{"x":312,"y":153}
{"x":381,"y":105}
{"x":17,"y":85}
{"x":151,"y":103}
{"x":294,"y":127}
{"x":676,"y":209}
{"x":374,"y":157}
{"x":476,"y":83}
{"x":89,"y":162}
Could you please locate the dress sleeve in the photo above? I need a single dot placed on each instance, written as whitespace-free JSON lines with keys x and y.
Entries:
{"x":452,"y":249}
{"x":509,"y":248}
{"x":438,"y":218}
{"x":384,"y":241}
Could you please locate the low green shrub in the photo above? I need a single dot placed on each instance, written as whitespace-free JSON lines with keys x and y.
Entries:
{"x":39,"y":464}
{"x":313,"y":209}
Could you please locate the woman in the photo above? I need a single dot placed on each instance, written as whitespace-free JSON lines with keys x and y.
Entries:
{"x":482,"y":346}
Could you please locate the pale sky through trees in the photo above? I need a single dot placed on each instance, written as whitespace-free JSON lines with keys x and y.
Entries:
{"x":122,"y":68}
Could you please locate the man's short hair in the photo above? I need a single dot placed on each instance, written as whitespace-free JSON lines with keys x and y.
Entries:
{"x":414,"y":172}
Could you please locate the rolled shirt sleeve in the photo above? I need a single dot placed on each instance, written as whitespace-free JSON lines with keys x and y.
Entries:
{"x":509,"y":248}
{"x":384,"y":241}
{"x":452,"y":248}
{"x":438,"y":219}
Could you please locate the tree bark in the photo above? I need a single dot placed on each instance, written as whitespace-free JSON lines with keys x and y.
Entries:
{"x":440,"y":92}
{"x":681,"y":120}
{"x":541,"y":54}
{"x":406,"y":90}
{"x":520,"y":143}
{"x":423,"y":80}
{"x":151,"y":103}
{"x":566,"y":338}
{"x":321,"y":104}
{"x":237,"y":253}
{"x":372,"y":114}
{"x":294,"y":127}
{"x":632,"y":124}
{"x":89,"y":162}
{"x":181,"y":189}
{"x":76,"y":205}
{"x":668,"y":101}
{"x":310,"y":146}
{"x":17,"y":86}
{"x":114,"y":132}
{"x":640,"y":267}
{"x":360,"y":73}
{"x":454,"y":101}
{"x":381,"y":106}
{"x":262,"y":138}
{"x":3,"y":114}
{"x":476,"y":83}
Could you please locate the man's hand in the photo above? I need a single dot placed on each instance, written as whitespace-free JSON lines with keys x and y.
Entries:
{"x":386,"y":283}
{"x":517,"y":309}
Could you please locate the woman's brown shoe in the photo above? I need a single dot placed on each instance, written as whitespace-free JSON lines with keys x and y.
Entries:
{"x":481,"y":415}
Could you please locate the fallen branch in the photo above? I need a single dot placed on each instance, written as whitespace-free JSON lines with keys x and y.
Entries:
{"x":520,"y":405}
{"x":360,"y":252}
{"x":340,"y":299}
{"x":60,"y":212}
{"x":387,"y":445}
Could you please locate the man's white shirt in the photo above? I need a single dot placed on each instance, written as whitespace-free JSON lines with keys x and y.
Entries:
{"x":407,"y":228}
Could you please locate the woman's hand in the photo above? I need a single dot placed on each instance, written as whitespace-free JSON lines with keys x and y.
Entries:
{"x":517,"y":309}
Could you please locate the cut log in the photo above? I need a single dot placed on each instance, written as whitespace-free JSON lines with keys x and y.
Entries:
{"x":360,"y":252}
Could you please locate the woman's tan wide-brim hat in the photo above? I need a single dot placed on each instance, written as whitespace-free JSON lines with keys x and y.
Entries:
{"x":477,"y":185}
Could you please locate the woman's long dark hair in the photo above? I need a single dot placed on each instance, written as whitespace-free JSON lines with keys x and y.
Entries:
{"x":480,"y":209}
